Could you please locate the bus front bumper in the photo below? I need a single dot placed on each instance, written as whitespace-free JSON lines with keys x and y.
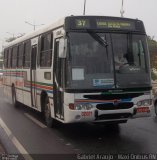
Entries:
{"x":96,"y":115}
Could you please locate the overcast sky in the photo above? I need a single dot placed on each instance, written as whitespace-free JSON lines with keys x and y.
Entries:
{"x":14,"y":13}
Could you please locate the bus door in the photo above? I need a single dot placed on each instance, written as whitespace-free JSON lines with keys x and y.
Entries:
{"x":33,"y":75}
{"x":58,"y":82}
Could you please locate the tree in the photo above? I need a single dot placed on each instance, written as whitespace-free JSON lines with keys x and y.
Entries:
{"x":10,"y":39}
{"x":152,"y":44}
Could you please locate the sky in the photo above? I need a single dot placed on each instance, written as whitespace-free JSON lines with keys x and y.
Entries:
{"x":14,"y":13}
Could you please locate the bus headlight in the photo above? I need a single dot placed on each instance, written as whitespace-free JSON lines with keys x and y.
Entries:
{"x":146,"y":102}
{"x":85,"y":106}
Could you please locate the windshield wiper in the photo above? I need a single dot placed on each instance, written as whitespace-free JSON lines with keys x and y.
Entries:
{"x":98,"y":38}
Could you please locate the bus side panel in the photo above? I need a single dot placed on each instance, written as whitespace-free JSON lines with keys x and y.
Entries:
{"x":26,"y":88}
{"x":19,"y":85}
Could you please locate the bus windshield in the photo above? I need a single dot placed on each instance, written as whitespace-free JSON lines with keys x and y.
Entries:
{"x":107,"y":60}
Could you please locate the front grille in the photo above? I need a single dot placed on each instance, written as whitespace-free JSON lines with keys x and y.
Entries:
{"x":113,"y":116}
{"x":114,"y":106}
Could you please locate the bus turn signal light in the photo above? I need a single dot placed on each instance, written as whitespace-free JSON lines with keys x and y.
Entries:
{"x":71,"y":106}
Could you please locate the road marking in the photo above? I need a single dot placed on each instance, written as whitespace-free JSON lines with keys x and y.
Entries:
{"x":14,"y":140}
{"x":35,"y":120}
{"x":68,"y":144}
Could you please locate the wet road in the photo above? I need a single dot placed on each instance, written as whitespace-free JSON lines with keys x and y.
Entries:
{"x":136,"y":136}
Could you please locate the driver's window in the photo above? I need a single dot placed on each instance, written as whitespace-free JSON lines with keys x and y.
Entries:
{"x":142,"y":54}
{"x":135,"y":53}
{"x":138,"y":53}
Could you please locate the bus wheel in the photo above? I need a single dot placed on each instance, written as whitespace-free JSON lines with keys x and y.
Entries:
{"x":47,"y":114}
{"x":155,"y":105}
{"x":14,"y":101}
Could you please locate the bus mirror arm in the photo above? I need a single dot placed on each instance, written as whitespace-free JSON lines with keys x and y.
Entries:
{"x":56,"y":81}
{"x":57,"y":85}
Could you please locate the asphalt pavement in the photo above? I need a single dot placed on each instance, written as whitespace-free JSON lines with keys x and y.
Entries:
{"x":2,"y":149}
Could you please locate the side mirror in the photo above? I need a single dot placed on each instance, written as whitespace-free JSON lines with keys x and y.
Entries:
{"x":62,"y":48}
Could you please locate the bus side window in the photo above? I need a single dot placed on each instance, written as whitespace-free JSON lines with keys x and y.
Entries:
{"x":26,"y":55}
{"x":9,"y":62}
{"x":5,"y":57}
{"x":39,"y":50}
{"x":14,"y":57}
{"x":46,"y":50}
{"x":20,"y":55}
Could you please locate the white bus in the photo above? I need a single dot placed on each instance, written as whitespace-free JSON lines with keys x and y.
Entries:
{"x":81,"y":69}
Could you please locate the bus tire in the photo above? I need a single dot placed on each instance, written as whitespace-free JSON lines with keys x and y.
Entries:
{"x":155,"y":108}
{"x":14,"y":100}
{"x":50,"y":122}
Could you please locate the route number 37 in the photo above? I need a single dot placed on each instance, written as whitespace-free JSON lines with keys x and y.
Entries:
{"x":82,"y":23}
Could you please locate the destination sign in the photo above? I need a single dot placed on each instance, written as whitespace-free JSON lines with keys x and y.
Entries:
{"x":102,"y":23}
{"x":114,"y":24}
